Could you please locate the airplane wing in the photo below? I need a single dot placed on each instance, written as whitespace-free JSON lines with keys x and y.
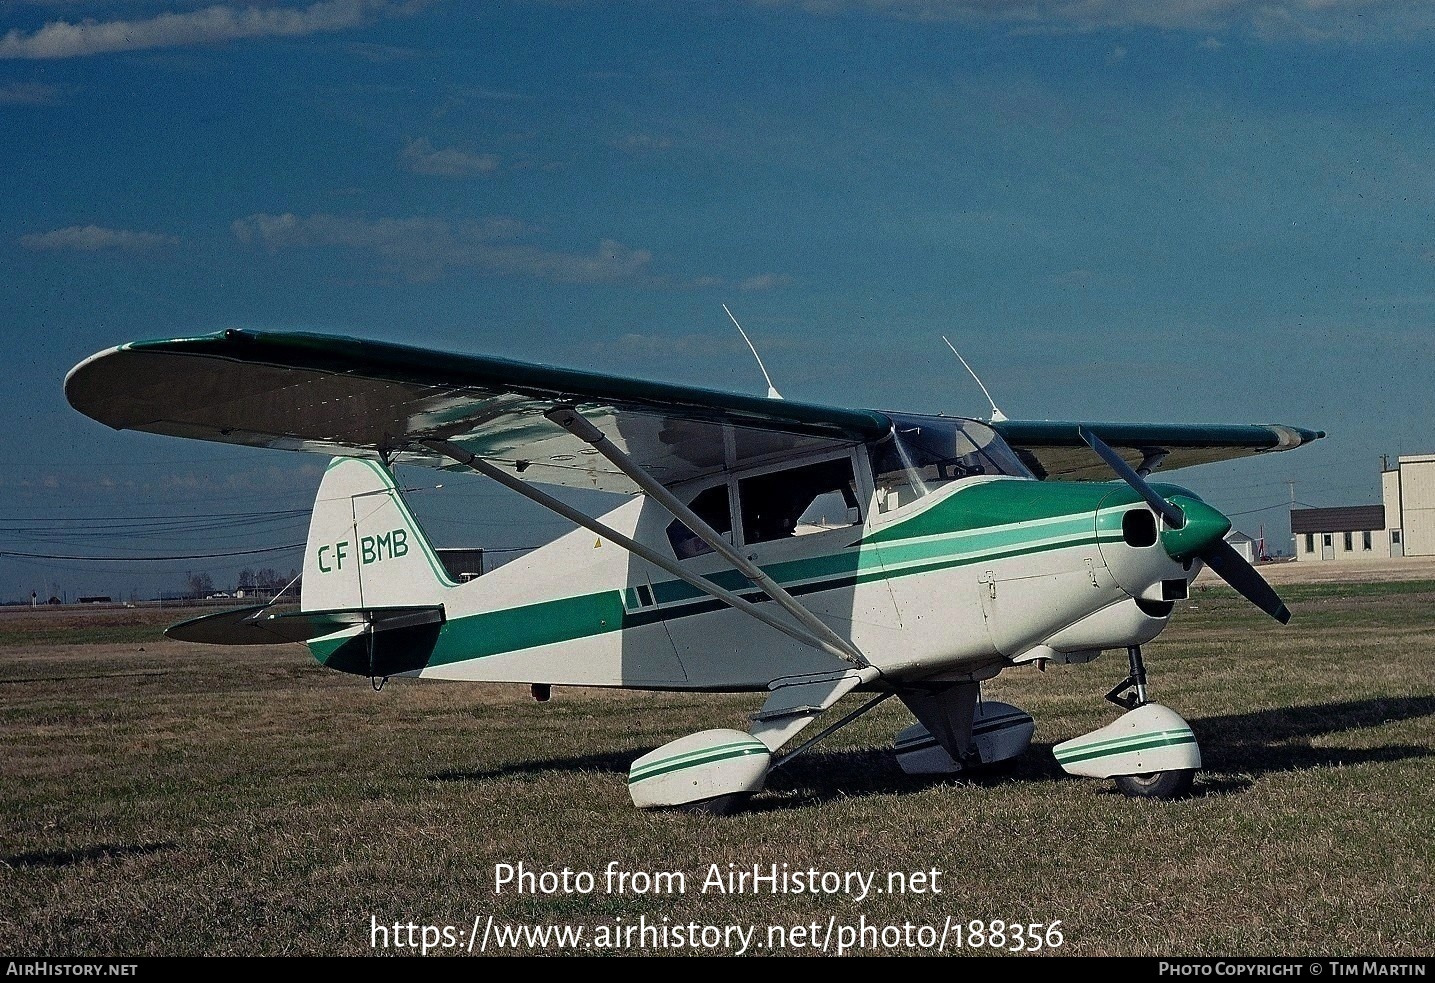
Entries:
{"x":346,"y":397}
{"x":1056,"y":451}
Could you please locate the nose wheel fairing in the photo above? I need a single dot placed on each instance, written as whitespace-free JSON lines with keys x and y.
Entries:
{"x":1144,"y":741}
{"x":1150,"y":750}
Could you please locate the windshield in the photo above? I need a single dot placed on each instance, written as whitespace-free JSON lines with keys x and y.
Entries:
{"x":923,"y":453}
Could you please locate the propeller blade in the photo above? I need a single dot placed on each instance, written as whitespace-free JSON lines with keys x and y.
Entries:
{"x":1174,"y":517}
{"x":1232,"y":567}
{"x":1219,"y":555}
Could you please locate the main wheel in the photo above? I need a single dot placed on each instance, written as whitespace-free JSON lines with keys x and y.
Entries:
{"x":1157,"y":784}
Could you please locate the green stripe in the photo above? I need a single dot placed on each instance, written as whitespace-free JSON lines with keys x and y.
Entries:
{"x":323,"y":649}
{"x":1002,"y":503}
{"x":984,"y":727}
{"x":699,"y":603}
{"x":1014,"y":503}
{"x":1143,"y":742}
{"x":987,"y":517}
{"x":489,"y":633}
{"x":565,"y":619}
{"x":495,"y":632}
{"x":1113,"y":741}
{"x":887,"y":562}
{"x":693,"y":759}
{"x":918,"y":546}
{"x":977,"y":547}
{"x":916,"y":744}
{"x":787,"y":573}
{"x":527,"y":626}
{"x":991,"y":724}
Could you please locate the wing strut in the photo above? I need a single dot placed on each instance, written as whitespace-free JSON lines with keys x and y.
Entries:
{"x":463,"y":457}
{"x":571,"y":420}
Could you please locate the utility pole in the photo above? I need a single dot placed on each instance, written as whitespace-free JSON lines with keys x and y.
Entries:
{"x":1295,"y":546}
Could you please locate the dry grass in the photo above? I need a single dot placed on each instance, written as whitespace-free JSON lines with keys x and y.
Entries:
{"x":162,"y":798}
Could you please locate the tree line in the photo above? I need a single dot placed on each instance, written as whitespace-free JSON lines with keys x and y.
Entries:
{"x":200,"y":584}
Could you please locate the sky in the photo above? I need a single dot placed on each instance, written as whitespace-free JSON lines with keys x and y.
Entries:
{"x":1210,"y":211}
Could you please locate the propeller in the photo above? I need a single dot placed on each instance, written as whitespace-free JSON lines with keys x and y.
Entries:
{"x":1232,"y":567}
{"x":1168,"y":510}
{"x":1215,"y":552}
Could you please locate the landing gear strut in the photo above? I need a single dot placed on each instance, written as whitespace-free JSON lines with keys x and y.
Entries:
{"x":1136,"y":682}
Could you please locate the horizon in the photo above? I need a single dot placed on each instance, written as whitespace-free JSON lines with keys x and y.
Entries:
{"x":1127,"y":212}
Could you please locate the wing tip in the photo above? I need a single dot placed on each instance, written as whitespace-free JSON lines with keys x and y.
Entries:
{"x":1288,"y":437}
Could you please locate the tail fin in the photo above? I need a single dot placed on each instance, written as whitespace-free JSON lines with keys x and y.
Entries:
{"x":365,"y":549}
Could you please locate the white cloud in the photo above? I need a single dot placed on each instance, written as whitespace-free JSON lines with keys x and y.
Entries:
{"x":642,"y":143}
{"x":1307,"y":20}
{"x":422,"y":249}
{"x":765,"y":281}
{"x":210,"y":25}
{"x":94,"y":238}
{"x":611,"y":261}
{"x":421,"y":157}
{"x":380,"y":54}
{"x":28,"y":94}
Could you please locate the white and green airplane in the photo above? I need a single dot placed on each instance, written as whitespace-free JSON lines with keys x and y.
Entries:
{"x":768,"y":545}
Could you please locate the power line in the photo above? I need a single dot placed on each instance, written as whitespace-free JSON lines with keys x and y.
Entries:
{"x":92,"y":466}
{"x":1278,"y":505}
{"x":212,"y":534}
{"x":162,"y":518}
{"x":128,"y":559}
{"x":1268,"y":508}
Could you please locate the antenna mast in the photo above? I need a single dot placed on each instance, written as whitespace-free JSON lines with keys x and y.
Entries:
{"x":997,"y":415}
{"x":772,"y":392}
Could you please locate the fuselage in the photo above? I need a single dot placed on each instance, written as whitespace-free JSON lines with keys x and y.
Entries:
{"x":941,"y":572}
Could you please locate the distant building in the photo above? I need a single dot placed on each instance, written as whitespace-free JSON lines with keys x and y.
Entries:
{"x":1352,"y":532}
{"x":1409,"y":492}
{"x":1403,"y":526}
{"x":1242,"y":544}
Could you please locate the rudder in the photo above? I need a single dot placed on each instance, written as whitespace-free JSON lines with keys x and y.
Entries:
{"x":365,"y":549}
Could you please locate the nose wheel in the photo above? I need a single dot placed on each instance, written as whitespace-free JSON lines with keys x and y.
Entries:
{"x":1157,"y":784}
{"x":1149,"y":750}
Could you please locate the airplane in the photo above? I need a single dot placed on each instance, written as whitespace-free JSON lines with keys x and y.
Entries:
{"x":766,"y":545}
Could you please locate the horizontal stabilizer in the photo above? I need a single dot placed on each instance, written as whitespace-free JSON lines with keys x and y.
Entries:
{"x":266,"y":625}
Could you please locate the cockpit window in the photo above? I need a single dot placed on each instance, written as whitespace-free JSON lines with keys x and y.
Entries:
{"x":711,"y":506}
{"x":799,"y":501}
{"x":924,"y":453}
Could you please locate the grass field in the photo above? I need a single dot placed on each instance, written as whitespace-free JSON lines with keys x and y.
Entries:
{"x":162,"y":798}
